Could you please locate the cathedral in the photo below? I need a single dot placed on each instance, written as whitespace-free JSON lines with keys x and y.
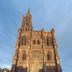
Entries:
{"x":36,"y":51}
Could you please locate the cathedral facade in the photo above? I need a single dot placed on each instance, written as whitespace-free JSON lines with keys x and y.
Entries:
{"x":36,"y":51}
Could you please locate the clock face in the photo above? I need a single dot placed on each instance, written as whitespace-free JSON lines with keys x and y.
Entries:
{"x":36,"y":55}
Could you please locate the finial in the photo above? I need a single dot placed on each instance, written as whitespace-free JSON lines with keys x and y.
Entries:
{"x":42,"y":29}
{"x":52,"y":30}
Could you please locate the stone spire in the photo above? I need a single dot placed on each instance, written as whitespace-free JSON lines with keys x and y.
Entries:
{"x":28,"y":12}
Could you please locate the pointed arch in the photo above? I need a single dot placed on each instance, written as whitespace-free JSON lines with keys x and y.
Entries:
{"x":49,"y":55}
{"x":49,"y":41}
{"x":23,"y":41}
{"x":24,"y":56}
{"x":34,"y":41}
{"x":38,"y":41}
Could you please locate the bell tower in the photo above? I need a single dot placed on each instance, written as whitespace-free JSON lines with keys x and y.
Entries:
{"x":21,"y":57}
{"x":27,"y":22}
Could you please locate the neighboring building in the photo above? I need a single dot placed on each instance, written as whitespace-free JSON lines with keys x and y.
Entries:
{"x":4,"y":70}
{"x":0,"y":70}
{"x":36,"y":51}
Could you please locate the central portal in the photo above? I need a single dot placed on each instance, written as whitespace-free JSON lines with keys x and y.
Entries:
{"x":36,"y":60}
{"x":35,"y":67}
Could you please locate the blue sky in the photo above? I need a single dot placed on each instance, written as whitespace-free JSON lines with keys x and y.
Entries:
{"x":46,"y":14}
